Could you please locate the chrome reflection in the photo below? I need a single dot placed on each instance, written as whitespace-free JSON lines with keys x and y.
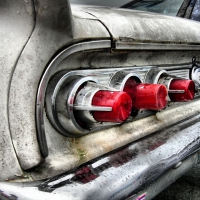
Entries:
{"x":125,"y":172}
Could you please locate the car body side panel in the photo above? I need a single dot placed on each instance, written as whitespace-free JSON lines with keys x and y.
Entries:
{"x":17,"y":23}
{"x":55,"y":29}
{"x":52,"y":25}
{"x":87,"y":26}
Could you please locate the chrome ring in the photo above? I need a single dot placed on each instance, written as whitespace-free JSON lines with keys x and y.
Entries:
{"x":71,"y":123}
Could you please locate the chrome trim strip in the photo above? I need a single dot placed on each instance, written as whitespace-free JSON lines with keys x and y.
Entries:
{"x":176,"y":91}
{"x":176,"y":67}
{"x":92,"y":108}
{"x":153,"y":46}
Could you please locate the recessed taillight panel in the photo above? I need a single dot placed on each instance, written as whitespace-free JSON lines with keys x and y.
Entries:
{"x":80,"y":102}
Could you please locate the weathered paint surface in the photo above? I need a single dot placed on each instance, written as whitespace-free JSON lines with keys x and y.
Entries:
{"x":54,"y":30}
{"x":138,"y":26}
{"x":51,"y":27}
{"x":14,"y":15}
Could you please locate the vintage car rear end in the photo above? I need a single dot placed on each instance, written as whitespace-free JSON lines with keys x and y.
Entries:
{"x":95,"y":101}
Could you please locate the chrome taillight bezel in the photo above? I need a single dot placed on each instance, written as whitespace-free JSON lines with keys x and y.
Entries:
{"x":69,"y":83}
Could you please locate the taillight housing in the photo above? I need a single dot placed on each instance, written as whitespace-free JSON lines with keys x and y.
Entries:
{"x":146,"y":96}
{"x":179,"y":89}
{"x":83,"y":101}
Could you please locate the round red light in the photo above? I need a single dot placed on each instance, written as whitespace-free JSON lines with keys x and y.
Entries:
{"x":119,"y":101}
{"x":180,"y":84}
{"x":146,"y":96}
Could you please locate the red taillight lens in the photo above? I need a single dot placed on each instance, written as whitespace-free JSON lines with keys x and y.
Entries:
{"x":119,"y":101}
{"x":180,"y":84}
{"x":146,"y":96}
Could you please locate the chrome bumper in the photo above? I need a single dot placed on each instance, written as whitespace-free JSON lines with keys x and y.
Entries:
{"x":139,"y":170}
